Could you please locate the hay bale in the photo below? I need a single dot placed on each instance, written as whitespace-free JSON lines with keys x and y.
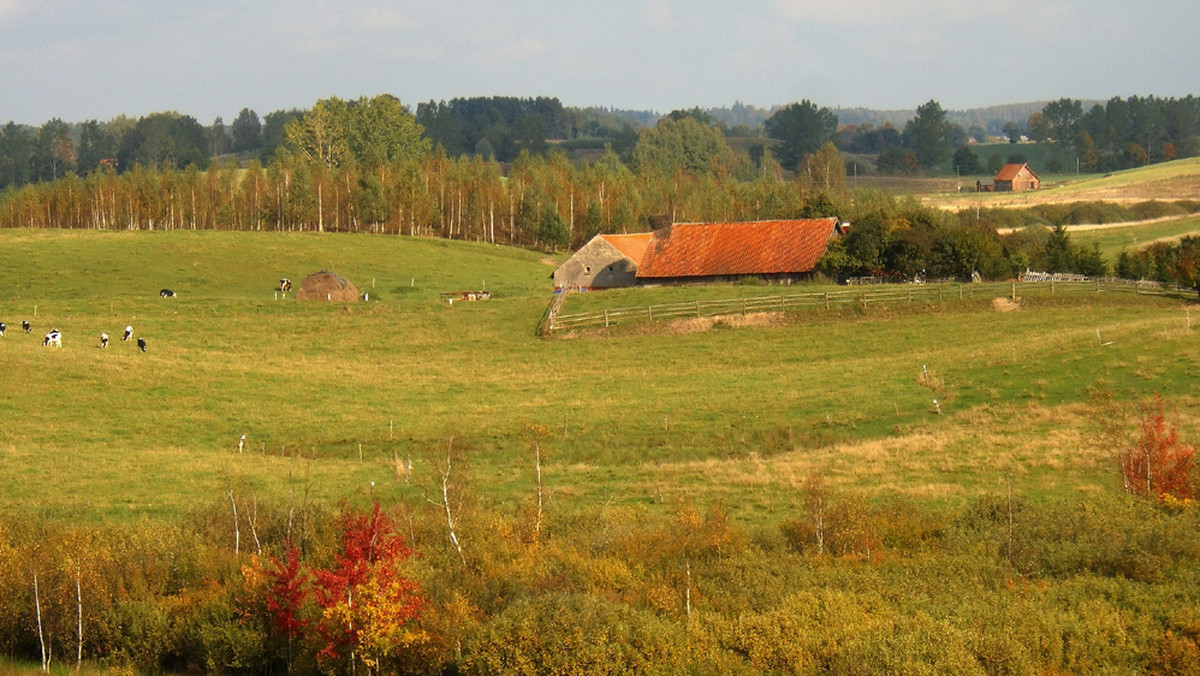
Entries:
{"x":326,"y":285}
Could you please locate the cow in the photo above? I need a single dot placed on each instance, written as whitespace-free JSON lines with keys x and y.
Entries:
{"x":53,"y":338}
{"x":103,"y":340}
{"x":25,"y":325}
{"x":3,"y":328}
{"x":142,"y":344}
{"x":166,"y":293}
{"x":285,"y":284}
{"x":128,"y":333}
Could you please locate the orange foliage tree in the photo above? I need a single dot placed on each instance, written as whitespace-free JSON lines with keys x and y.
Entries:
{"x":1157,"y":464}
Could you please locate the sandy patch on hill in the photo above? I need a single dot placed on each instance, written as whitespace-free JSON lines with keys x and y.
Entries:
{"x":548,"y":261}
{"x":697,"y":324}
{"x":1003,"y":304}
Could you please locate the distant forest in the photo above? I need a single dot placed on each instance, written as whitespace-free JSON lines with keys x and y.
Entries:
{"x":1084,"y":135}
{"x":535,"y":173}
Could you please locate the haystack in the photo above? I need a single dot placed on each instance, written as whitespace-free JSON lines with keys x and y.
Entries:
{"x":326,"y":285}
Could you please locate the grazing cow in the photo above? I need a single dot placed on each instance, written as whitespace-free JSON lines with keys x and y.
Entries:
{"x":128,"y":333}
{"x":166,"y":293}
{"x":103,"y":340}
{"x":285,"y":284}
{"x":25,"y":325}
{"x":53,"y":338}
{"x":142,"y":344}
{"x":3,"y":328}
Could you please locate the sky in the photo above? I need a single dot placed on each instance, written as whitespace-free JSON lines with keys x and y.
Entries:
{"x":96,"y":59}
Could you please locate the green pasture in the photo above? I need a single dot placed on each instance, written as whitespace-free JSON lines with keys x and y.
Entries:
{"x":336,"y":400}
{"x":1113,"y":239}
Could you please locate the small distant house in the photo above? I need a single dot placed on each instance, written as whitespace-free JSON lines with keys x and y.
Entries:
{"x":606,"y":261}
{"x":1016,"y":178}
{"x":781,"y":250}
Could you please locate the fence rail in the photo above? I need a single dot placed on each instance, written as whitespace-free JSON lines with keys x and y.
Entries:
{"x":864,"y":296}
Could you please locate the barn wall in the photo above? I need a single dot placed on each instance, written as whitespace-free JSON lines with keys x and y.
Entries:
{"x":596,"y":265}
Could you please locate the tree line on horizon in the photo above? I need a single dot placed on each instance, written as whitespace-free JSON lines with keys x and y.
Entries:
{"x":372,"y":165}
{"x":1115,"y":134}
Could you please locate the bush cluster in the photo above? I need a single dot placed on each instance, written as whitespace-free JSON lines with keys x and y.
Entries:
{"x":1001,"y":584}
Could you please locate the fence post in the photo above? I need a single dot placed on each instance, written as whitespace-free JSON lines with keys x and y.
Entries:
{"x":1051,"y":286}
{"x":826,"y":300}
{"x":960,"y":292}
{"x":606,"y":319}
{"x":743,"y":307}
{"x":910,"y":294}
{"x":781,"y":300}
{"x":1014,"y":290}
{"x":1097,"y":285}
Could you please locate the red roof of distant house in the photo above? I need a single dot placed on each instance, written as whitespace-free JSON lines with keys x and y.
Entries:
{"x":633,"y":246}
{"x":1010,"y":171}
{"x":727,"y":249}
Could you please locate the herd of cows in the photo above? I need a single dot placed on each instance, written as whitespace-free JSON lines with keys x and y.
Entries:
{"x":54,"y":337}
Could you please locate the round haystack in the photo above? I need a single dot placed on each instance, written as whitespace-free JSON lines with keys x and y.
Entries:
{"x":326,"y":285}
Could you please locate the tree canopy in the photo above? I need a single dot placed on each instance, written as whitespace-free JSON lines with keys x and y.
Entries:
{"x":801,"y":129}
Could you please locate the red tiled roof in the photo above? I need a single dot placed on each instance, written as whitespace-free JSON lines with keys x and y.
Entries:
{"x":1010,"y":171}
{"x":723,"y":249}
{"x":633,"y":246}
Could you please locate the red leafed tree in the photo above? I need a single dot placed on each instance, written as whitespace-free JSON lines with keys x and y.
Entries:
{"x":1157,"y":464}
{"x":285,"y":596}
{"x":367,"y":604}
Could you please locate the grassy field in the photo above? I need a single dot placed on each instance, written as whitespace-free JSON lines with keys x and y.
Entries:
{"x":1177,"y":180}
{"x":336,"y":399}
{"x":1112,"y":239}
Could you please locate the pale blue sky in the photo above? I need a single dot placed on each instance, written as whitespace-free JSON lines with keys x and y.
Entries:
{"x":84,"y":59}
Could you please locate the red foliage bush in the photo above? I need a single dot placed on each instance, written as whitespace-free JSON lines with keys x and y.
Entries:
{"x":1157,"y":464}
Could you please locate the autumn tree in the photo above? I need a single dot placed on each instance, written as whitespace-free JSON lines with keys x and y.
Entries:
{"x":368,"y":607}
{"x":285,"y":597}
{"x":1157,"y":464}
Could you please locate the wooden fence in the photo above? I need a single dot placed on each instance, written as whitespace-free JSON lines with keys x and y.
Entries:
{"x":864,"y":296}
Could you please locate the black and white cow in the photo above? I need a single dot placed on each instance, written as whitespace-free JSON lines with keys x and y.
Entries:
{"x":128,"y":333}
{"x":103,"y":340}
{"x":166,"y":293}
{"x":3,"y":328}
{"x":53,"y":338}
{"x":25,"y":325}
{"x":285,"y":284}
{"x":142,"y":344}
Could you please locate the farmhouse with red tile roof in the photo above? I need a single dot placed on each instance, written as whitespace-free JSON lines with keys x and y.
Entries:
{"x":781,"y":250}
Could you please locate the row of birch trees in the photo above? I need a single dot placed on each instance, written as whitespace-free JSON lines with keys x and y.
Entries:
{"x":464,"y":198}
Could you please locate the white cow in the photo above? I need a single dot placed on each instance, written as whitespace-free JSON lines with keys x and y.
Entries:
{"x":128,"y":333}
{"x":53,"y":338}
{"x":103,"y":340}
